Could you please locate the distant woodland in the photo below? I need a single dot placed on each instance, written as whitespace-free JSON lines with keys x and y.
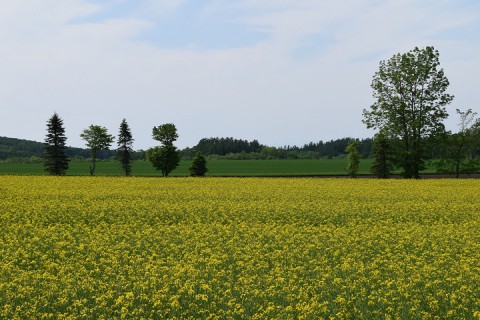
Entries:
{"x":12,"y":149}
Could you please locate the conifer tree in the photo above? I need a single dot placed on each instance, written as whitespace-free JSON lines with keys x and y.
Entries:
{"x":382,"y":151}
{"x":124,"y":151}
{"x":199,"y":166}
{"x":56,"y":160}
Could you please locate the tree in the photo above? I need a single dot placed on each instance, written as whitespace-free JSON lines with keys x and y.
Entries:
{"x":125,"y":150}
{"x":199,"y":166}
{"x":410,"y":103}
{"x":166,"y":157}
{"x":382,"y":152}
{"x":353,"y":157}
{"x":97,"y":139}
{"x":166,"y":133}
{"x":56,"y":161}
{"x":458,"y":146}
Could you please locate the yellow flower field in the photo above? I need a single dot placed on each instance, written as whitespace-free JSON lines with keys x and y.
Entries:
{"x":245,"y":248}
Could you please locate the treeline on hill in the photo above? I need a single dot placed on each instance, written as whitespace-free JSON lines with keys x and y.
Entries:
{"x":26,"y":150}
{"x":237,"y":149}
{"x":213,"y":148}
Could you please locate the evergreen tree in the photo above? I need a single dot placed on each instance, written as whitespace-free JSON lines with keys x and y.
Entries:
{"x":56,"y":161}
{"x":124,"y":151}
{"x":199,"y":166}
{"x":381,"y":149}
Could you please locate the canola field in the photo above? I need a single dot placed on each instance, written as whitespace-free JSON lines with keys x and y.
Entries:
{"x":245,"y":248}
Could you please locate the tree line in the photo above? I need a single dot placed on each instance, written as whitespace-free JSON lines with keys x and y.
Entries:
{"x":410,"y":92}
{"x":164,"y":158}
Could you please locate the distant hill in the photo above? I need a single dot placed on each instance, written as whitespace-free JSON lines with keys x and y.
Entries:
{"x":20,"y":148}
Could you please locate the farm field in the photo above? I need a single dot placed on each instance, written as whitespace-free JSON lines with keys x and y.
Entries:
{"x":251,"y":248}
{"x":216,"y":168}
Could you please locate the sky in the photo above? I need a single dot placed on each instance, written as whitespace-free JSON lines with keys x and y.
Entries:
{"x":284,"y":72}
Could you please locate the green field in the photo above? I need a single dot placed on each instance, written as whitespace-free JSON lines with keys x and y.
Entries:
{"x":216,"y":168}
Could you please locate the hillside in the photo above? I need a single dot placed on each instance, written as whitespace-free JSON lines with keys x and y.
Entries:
{"x":20,"y":148}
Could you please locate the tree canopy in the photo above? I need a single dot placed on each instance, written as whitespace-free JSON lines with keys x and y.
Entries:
{"x":410,"y":92}
{"x":166,"y":157}
{"x":97,"y":138}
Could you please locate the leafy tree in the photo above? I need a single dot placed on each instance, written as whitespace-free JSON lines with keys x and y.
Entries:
{"x":458,"y":147}
{"x":97,"y":139}
{"x":382,"y":151}
{"x":56,"y":161}
{"x":410,"y":103}
{"x":166,"y":133}
{"x":125,"y":150}
{"x":199,"y":166}
{"x":353,"y":157}
{"x":166,"y":157}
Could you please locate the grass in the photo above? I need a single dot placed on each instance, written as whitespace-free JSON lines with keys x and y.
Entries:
{"x":216,"y":168}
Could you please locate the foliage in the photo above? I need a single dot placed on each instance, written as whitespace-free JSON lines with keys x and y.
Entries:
{"x":237,"y":149}
{"x":410,"y":103}
{"x":125,"y":150}
{"x":199,"y":166}
{"x":459,"y":147}
{"x":56,"y":161}
{"x":353,"y":157}
{"x":166,"y":157}
{"x":382,"y":151}
{"x":250,"y":248}
{"x":165,"y":133}
{"x":97,"y":138}
{"x":224,"y":146}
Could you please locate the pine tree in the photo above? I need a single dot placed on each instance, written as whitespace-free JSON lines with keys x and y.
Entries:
{"x":199,"y":166}
{"x":56,"y":161}
{"x":124,"y":151}
{"x":381,"y":149}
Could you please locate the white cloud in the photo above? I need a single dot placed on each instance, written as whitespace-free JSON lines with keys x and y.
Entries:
{"x":307,"y":80}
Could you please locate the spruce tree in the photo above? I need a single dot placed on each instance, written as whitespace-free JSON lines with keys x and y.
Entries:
{"x":382,"y":151}
{"x":56,"y":160}
{"x":199,"y":166}
{"x":124,"y":151}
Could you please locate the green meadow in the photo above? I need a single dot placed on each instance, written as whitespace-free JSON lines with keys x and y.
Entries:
{"x":217,"y":168}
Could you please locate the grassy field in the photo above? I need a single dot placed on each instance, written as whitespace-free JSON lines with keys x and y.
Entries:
{"x":216,"y":168}
{"x":252,"y":248}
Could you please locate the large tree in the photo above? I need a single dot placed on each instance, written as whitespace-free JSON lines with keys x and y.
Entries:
{"x":56,"y":160}
{"x":97,"y":138}
{"x":125,"y":150}
{"x":166,"y":157}
{"x":410,"y":103}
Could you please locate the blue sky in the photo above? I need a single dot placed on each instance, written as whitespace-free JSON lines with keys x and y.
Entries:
{"x":281,"y":71}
